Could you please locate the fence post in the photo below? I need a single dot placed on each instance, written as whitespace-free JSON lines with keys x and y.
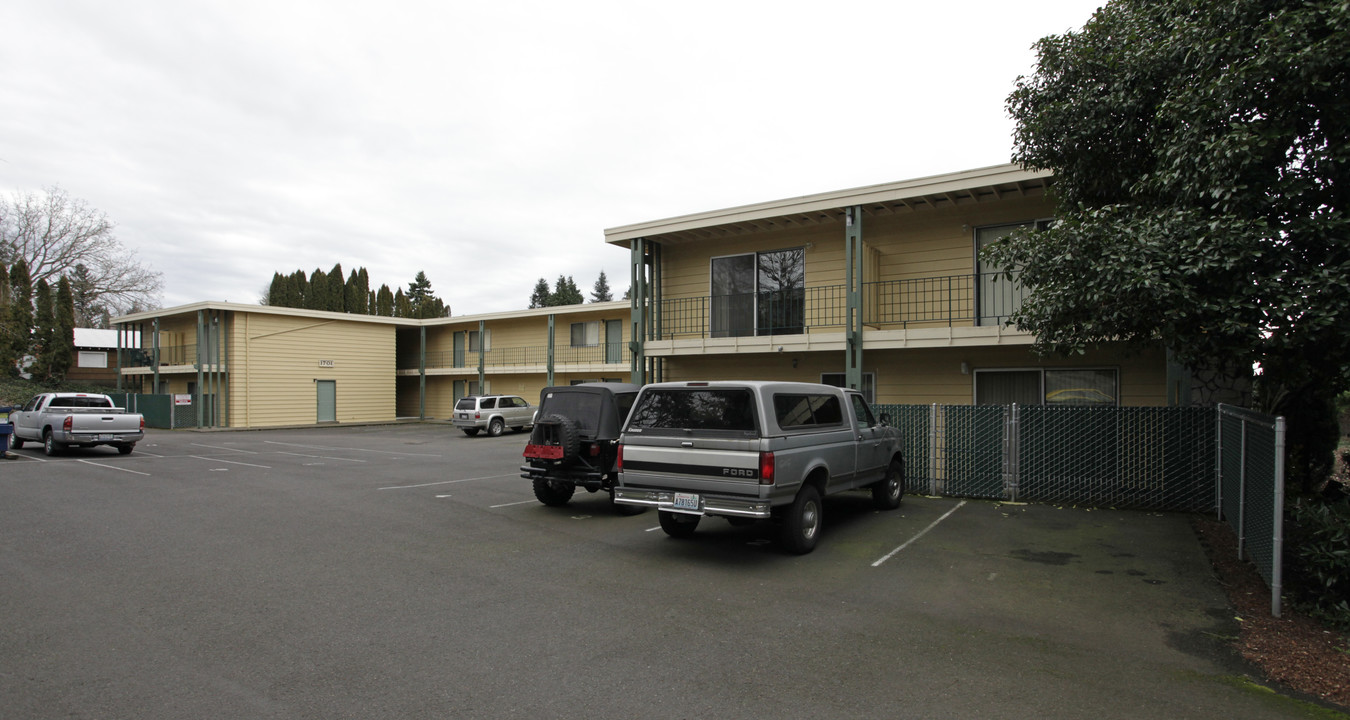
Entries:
{"x":1218,"y":462}
{"x":1242,"y":493}
{"x":933,"y":484}
{"x":1010,"y":459}
{"x":1277,"y":554}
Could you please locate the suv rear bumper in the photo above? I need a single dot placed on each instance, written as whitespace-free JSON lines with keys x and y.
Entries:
{"x":708,"y":505}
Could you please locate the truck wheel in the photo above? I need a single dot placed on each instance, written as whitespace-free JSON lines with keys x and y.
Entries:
{"x":470,"y":431}
{"x":125,"y":449}
{"x":16,"y":442}
{"x":678,"y":525}
{"x":552,"y":492}
{"x":49,"y":444}
{"x":495,"y":427}
{"x":801,"y":527}
{"x":886,"y":494}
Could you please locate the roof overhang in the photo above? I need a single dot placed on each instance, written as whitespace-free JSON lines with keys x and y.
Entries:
{"x":971,"y":186}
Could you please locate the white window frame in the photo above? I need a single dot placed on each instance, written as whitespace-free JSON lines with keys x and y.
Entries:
{"x":92,"y":359}
{"x":869,"y":382}
{"x":590,"y":333}
{"x":1042,"y":371}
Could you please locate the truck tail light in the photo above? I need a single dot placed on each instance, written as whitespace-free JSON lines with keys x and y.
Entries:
{"x":69,"y":423}
{"x":618,"y":463}
{"x":142,"y":423}
{"x":766,"y":468}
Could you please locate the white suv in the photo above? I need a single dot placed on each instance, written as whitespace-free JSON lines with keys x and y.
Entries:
{"x":493,"y":413}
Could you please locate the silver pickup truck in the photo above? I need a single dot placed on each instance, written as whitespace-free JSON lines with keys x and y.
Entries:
{"x":61,"y":420}
{"x":754,"y":450}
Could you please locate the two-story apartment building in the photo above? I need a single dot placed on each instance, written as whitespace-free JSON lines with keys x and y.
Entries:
{"x":261,"y":366}
{"x":879,"y":288}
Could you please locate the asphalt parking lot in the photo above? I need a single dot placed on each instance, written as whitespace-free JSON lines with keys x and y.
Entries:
{"x":406,"y":570}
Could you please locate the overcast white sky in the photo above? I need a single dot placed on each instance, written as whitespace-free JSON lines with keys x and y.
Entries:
{"x":486,"y":143}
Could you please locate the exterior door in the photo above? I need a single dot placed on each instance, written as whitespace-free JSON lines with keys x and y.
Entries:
{"x":327,"y":390}
{"x":459,"y":350}
{"x":613,"y":341}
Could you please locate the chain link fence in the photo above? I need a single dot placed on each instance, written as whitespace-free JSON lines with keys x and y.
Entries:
{"x":1250,"y":489}
{"x":161,"y":410}
{"x":1150,"y":458}
{"x":1229,"y":461}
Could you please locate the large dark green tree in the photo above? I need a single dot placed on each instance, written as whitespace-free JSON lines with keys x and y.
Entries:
{"x":1201,"y":151}
{"x":540,"y":297}
{"x":600,"y":292}
{"x":566,"y":292}
{"x":19,"y":325}
{"x":422,"y":302}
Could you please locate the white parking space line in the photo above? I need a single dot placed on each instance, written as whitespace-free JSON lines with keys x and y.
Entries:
{"x":114,"y":467}
{"x":232,"y":462}
{"x":320,"y":457}
{"x":221,"y":447}
{"x":448,"y":482}
{"x":329,"y":447}
{"x":923,"y":532}
{"x":522,"y":502}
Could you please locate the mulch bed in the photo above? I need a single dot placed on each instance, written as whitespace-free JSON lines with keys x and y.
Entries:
{"x":1294,"y":650}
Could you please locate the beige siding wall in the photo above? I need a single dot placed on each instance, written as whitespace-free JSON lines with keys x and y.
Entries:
{"x":926,"y":376}
{"x":276,"y":361}
{"x":922,"y":243}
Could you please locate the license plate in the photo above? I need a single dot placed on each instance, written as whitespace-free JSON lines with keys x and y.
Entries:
{"x":107,"y":438}
{"x":686,"y":501}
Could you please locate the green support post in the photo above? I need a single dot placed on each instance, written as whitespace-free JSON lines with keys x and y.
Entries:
{"x":551,"y":325}
{"x":422,"y":376}
{"x":638,"y":309}
{"x":482,"y":357}
{"x":853,"y":350}
{"x":197,"y":395}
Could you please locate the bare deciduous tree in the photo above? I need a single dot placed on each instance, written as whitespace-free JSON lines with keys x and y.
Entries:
{"x":55,"y":233}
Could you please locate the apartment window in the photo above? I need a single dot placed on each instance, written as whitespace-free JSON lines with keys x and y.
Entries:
{"x":758,"y":294}
{"x":586,"y":334}
{"x":474,"y":340}
{"x":869,"y":382}
{"x":1060,"y":386}
{"x":998,"y":297}
{"x":92,"y":359}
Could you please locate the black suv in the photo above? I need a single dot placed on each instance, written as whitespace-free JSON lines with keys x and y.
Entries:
{"x":575,"y":440}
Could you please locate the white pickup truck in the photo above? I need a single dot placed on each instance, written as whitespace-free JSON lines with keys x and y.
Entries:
{"x":754,"y":450}
{"x":61,"y":420}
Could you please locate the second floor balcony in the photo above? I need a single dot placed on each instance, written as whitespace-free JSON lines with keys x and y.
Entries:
{"x":532,"y":357}
{"x":952,"y":301}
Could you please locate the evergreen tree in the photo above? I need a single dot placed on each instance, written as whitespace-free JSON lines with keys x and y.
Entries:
{"x":566,"y":292}
{"x":298,"y":293}
{"x":276,"y":292}
{"x":357,"y":299}
{"x":20,"y":315}
{"x":317,"y":299}
{"x":601,"y":291}
{"x":337,"y":290}
{"x":6,"y":325}
{"x":85,"y":295}
{"x":62,"y":350}
{"x":542,"y":296}
{"x":422,"y":300}
{"x":402,"y":308}
{"x":44,"y":332}
{"x":363,"y":282}
{"x":384,"y":302}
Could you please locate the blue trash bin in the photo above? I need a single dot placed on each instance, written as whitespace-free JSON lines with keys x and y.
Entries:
{"x":5,"y":429}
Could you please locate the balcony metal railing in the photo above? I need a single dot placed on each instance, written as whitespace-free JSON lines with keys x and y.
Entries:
{"x":983,"y":299}
{"x":168,"y":355}
{"x":523,"y":356}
